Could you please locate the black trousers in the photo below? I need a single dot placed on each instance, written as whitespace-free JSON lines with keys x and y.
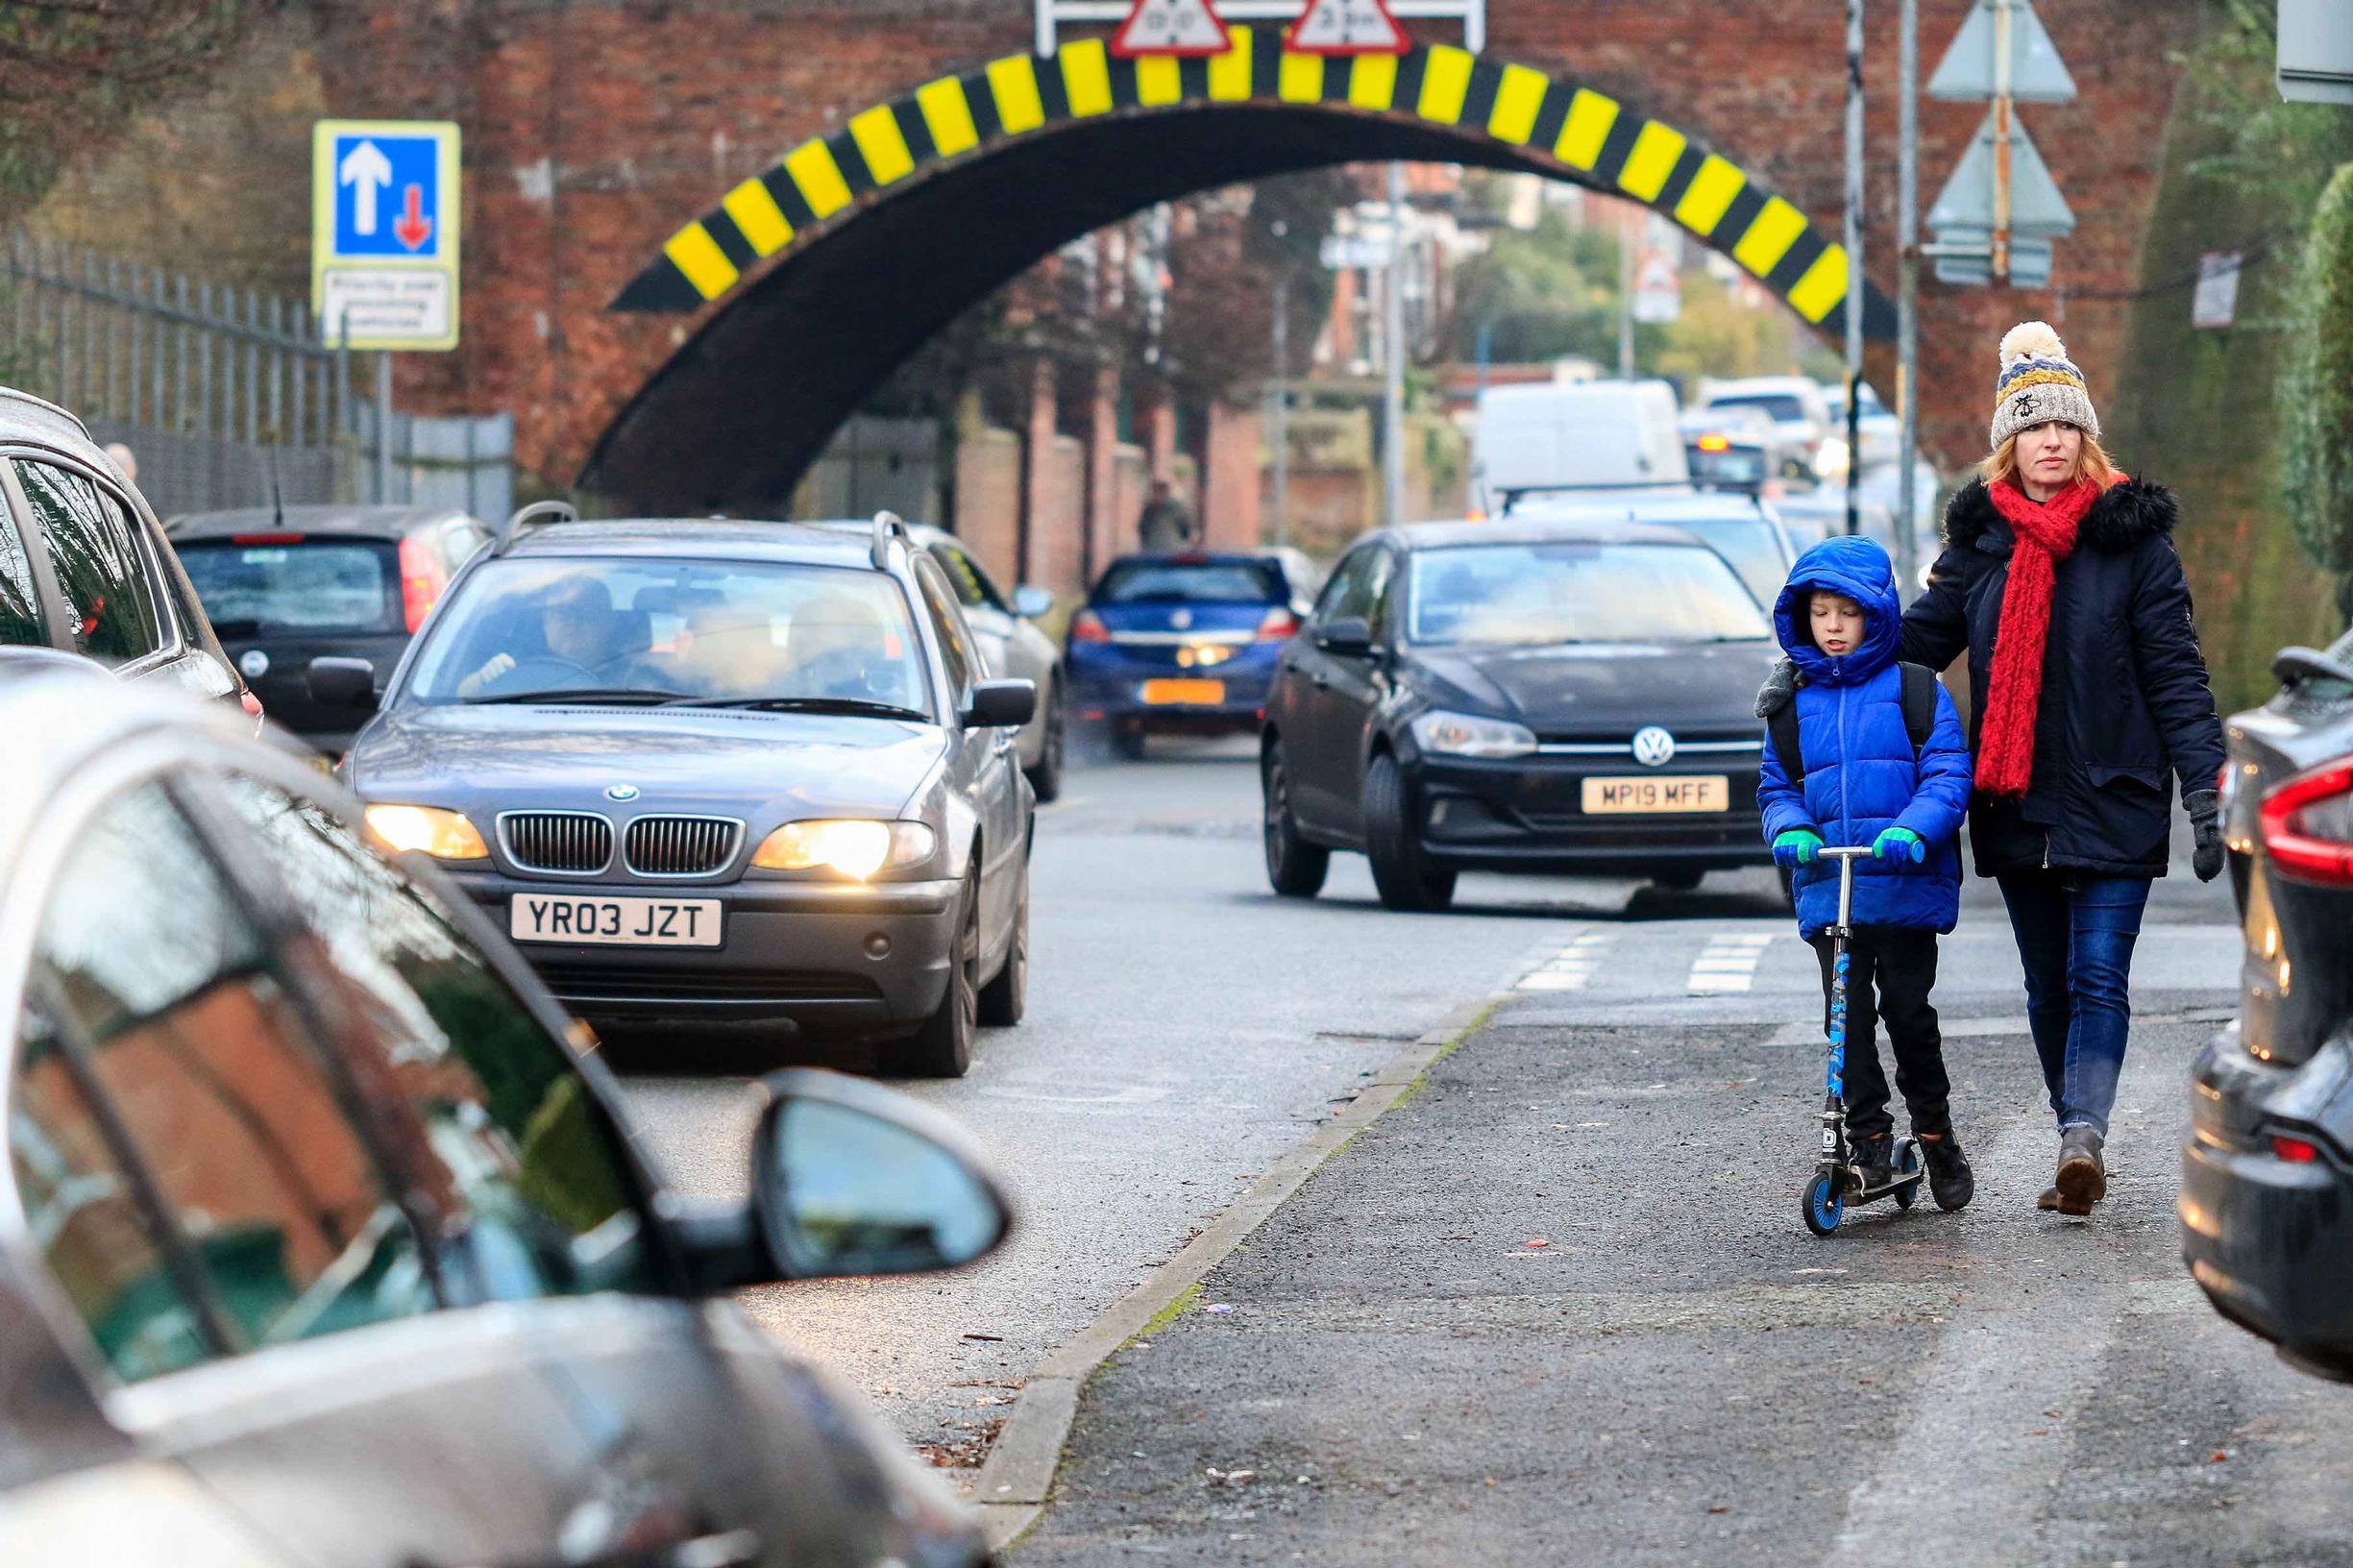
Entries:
{"x":1889,"y":972}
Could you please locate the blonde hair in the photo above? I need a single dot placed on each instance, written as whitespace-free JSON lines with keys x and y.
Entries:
{"x":2092,"y":462}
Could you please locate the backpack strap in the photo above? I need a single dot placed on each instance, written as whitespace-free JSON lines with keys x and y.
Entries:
{"x":1782,"y":730}
{"x":1919,"y":705}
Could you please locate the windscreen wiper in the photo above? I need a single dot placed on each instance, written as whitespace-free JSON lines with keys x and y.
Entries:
{"x":638,"y":695}
{"x":858,"y":705}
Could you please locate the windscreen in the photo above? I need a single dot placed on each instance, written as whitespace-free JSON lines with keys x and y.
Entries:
{"x":1751,"y":543}
{"x":1194,"y":583}
{"x":1782,"y":406}
{"x":1577,"y":593}
{"x":313,"y":586}
{"x":716,"y":631}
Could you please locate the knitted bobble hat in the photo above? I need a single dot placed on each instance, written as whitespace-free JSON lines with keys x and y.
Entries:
{"x":2039,"y":382}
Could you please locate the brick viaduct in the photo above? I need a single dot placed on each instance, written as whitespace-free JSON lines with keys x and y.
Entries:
{"x":700,"y":231}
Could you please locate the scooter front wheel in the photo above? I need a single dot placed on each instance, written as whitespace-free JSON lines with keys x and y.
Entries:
{"x":1824,"y":1204}
{"x":1908,"y":1163}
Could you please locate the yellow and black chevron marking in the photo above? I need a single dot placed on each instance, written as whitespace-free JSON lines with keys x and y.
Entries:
{"x":1588,"y":135}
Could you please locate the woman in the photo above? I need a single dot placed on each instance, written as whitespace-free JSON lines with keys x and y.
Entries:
{"x":2088,"y":699}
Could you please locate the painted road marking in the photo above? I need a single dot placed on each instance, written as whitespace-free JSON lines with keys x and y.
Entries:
{"x":1728,"y":963}
{"x":1573,"y":966}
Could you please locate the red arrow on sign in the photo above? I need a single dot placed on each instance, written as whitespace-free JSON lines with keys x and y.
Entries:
{"x":412,"y":227}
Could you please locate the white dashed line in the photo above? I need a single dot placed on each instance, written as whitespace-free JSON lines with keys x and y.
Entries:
{"x":1728,"y":963}
{"x":1572,"y":966}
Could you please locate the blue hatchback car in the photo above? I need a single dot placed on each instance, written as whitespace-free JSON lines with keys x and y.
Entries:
{"x":1183,"y":644}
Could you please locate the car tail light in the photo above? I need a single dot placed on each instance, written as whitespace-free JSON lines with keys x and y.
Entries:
{"x":422,"y":579}
{"x":1086,"y":627}
{"x":1280,"y":625}
{"x":2307,"y":826}
{"x":2296,"y":1151}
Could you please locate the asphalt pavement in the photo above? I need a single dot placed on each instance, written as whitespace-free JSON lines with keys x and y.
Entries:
{"x":1558,"y":1305}
{"x":1185,"y":1028}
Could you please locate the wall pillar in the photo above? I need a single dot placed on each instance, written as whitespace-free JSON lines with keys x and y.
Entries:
{"x":1229,"y":484}
{"x":1038,"y":432}
{"x":1103,"y":521}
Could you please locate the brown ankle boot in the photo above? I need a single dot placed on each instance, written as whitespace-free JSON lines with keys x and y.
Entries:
{"x":2083,"y":1176}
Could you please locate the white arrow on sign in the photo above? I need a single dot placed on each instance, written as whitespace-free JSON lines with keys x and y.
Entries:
{"x":366,"y":170}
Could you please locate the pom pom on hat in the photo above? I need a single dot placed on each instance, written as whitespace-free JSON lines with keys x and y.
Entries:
{"x":2031,"y":340}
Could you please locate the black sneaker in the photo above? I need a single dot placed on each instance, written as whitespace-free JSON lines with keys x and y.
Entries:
{"x":1875,"y":1159}
{"x":1950,"y":1181}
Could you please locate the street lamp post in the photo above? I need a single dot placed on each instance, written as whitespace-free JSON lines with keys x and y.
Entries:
{"x":1278,"y":409}
{"x":1907,"y":301}
{"x":1856,"y":287}
{"x":1394,"y":334}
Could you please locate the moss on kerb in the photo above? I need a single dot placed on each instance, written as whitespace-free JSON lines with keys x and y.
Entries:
{"x":1461,"y":1038}
{"x":1167,"y":1314}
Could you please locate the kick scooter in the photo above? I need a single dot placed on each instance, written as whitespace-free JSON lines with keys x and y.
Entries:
{"x":1838,"y":1180}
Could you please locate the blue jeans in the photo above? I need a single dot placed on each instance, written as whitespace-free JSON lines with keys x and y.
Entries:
{"x":2075,"y":932}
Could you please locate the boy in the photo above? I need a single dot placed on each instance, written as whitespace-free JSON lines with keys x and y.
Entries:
{"x":1879,"y":760}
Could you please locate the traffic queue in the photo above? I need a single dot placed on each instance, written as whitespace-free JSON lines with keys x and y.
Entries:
{"x":700,"y":775}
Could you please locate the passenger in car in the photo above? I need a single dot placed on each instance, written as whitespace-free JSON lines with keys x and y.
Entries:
{"x":837,"y":646}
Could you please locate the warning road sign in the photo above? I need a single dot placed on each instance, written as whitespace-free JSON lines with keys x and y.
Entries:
{"x":1170,"y":27}
{"x":1347,"y":27}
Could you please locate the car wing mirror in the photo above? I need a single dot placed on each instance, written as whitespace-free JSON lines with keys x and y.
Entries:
{"x":1350,"y":634}
{"x":1031,"y":602}
{"x":341,"y":683}
{"x":1001,"y":704}
{"x":852,"y":1179}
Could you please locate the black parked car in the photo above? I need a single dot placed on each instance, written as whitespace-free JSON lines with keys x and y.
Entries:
{"x":326,"y":1244}
{"x":712,"y":773}
{"x":284,"y":586}
{"x":1551,"y":696}
{"x":83,"y":567}
{"x":2267,"y":1178}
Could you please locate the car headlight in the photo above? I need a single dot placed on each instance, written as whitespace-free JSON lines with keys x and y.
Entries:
{"x":856,"y":847}
{"x":1468,"y":735}
{"x":444,"y":835}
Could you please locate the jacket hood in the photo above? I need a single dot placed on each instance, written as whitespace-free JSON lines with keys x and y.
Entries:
{"x":2119,"y":521}
{"x":1858,"y":568}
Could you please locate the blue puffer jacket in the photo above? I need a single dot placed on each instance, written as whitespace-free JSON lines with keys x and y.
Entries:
{"x":1861,"y":774}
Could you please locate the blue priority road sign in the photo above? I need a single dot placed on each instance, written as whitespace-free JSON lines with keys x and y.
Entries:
{"x":389,"y":196}
{"x":385,"y":219}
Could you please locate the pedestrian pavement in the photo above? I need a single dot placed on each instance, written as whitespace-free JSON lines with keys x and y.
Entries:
{"x":1559,"y":1307}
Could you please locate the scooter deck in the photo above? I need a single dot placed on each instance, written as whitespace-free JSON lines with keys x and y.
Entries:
{"x":1873,"y":1194}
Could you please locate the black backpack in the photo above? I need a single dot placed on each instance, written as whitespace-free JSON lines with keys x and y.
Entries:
{"x":1919,"y":720}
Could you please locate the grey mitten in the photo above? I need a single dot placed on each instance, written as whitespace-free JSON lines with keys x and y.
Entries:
{"x":2205,"y":809}
{"x":1778,"y":688}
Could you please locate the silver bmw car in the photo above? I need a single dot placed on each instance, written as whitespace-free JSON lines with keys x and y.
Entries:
{"x":708,"y":771}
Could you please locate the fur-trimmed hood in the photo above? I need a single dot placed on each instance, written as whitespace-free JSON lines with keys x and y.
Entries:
{"x":2119,"y":521}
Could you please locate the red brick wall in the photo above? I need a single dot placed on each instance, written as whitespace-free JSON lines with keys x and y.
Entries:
{"x":649,"y":111}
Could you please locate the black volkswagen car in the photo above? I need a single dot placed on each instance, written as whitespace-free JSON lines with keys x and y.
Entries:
{"x":2267,"y":1178}
{"x":1569,"y":696}
{"x":719,"y":772}
{"x":286,"y":585}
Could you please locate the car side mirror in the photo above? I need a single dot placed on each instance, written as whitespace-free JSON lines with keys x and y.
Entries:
{"x":1001,"y":704}
{"x":341,"y":683}
{"x":850,"y":1179}
{"x":1350,"y":634}
{"x":1031,"y":602}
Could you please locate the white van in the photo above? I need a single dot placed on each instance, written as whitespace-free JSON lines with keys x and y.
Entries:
{"x":1576,"y":433}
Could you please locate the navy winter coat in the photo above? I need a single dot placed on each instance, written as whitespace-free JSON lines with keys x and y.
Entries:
{"x":2125,"y":709}
{"x":1861,"y":773}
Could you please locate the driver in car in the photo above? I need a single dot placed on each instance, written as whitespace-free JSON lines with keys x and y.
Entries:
{"x":579,"y":630}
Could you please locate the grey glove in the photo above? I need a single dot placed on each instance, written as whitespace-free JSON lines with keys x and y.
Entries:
{"x":1778,"y":688}
{"x":2205,"y":809}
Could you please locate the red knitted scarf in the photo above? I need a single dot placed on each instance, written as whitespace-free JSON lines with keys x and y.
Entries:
{"x":2046,"y":532}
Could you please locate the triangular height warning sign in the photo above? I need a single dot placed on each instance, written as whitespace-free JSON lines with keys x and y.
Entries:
{"x":1170,"y":27}
{"x":1347,"y":27}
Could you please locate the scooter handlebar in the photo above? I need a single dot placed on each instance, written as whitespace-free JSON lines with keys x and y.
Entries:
{"x":1844,"y":851}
